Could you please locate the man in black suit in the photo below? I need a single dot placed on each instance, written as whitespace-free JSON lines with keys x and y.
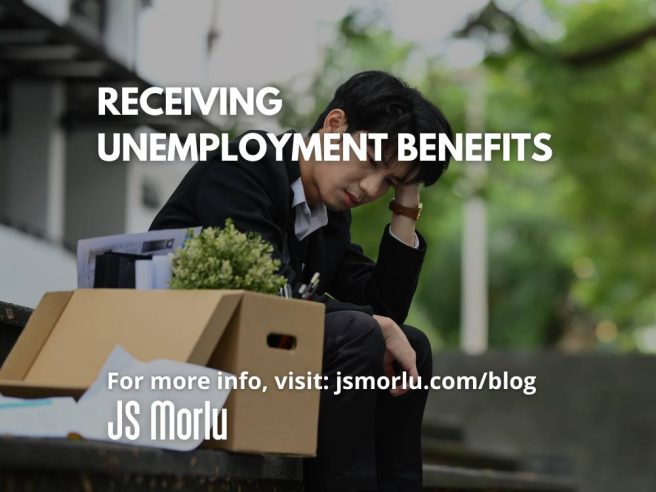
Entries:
{"x":368,"y":439}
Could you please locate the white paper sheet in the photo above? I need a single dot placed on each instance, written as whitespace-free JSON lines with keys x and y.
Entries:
{"x":43,"y":417}
{"x":89,"y":417}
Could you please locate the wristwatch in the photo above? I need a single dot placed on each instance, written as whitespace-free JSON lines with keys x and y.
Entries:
{"x":398,"y":209}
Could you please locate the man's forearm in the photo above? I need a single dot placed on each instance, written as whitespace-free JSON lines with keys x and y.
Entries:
{"x":403,"y":227}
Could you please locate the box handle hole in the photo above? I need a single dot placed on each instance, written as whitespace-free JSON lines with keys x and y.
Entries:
{"x":278,"y":340}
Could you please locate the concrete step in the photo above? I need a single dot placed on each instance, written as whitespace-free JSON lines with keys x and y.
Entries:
{"x":55,"y":464}
{"x":72,"y":465}
{"x":443,"y":452}
{"x":449,"y":453}
{"x":441,"y":429}
{"x":442,"y":478}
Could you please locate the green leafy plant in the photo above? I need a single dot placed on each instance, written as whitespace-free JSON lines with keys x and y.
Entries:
{"x":226,"y":259}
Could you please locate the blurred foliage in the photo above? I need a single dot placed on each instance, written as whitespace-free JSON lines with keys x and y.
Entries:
{"x":226,"y":258}
{"x":572,"y":242}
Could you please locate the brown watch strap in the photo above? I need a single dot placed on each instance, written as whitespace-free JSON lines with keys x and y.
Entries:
{"x":413,"y":213}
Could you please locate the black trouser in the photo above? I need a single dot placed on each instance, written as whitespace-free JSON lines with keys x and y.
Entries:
{"x":368,"y":439}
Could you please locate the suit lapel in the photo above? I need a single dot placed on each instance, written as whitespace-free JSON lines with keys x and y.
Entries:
{"x":314,"y":255}
{"x":297,"y":249}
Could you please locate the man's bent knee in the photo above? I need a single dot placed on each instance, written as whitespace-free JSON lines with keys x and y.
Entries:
{"x":357,"y":334}
{"x":421,"y":346}
{"x":352,"y":326}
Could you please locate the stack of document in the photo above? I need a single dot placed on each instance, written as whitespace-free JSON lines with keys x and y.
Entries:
{"x":153,"y":273}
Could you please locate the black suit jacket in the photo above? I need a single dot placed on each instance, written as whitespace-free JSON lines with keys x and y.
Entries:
{"x":258,"y":197}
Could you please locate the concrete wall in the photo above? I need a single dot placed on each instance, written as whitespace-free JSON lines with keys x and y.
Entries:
{"x":36,"y":157}
{"x":597,"y":409}
{"x":30,"y":267}
{"x":120,"y":34}
{"x":57,"y":10}
{"x":95,"y":190}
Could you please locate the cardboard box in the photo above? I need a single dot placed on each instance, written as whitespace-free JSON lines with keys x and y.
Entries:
{"x":70,"y":334}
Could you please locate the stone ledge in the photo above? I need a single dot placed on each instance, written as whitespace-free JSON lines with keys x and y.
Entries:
{"x":443,"y":478}
{"x":14,"y":315}
{"x":61,"y":455}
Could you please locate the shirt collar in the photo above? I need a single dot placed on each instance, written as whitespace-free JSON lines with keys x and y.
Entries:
{"x":311,"y":218}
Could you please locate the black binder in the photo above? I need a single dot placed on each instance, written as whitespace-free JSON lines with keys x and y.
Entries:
{"x":116,"y":270}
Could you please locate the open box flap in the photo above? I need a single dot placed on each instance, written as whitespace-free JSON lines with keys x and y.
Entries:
{"x":23,"y":389}
{"x":34,"y":335}
{"x":178,"y":325}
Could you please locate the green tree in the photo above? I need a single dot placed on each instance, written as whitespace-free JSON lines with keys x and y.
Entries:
{"x":579,"y":230}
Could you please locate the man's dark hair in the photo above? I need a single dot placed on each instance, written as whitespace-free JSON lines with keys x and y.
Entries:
{"x":377,"y":102}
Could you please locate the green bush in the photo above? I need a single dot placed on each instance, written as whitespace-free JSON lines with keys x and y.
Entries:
{"x":226,"y":259}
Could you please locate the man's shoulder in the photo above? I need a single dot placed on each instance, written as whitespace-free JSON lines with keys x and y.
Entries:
{"x":264,"y":175}
{"x":268,"y":169}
